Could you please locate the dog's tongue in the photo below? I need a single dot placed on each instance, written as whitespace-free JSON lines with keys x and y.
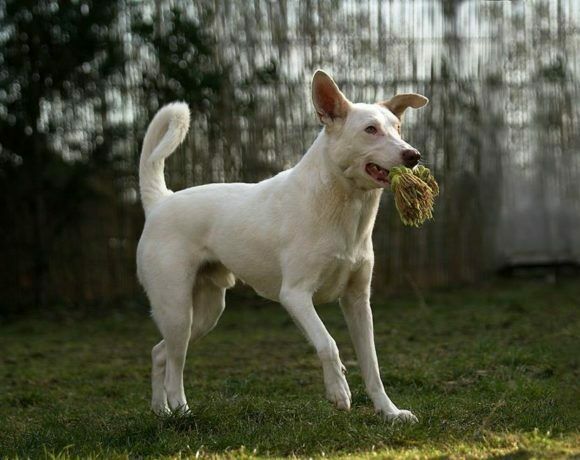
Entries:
{"x":377,"y":172}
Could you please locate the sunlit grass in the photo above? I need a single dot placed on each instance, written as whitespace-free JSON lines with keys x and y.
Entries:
{"x":488,"y":371}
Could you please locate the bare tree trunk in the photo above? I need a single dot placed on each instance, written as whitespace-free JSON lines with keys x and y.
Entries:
{"x":39,"y":245}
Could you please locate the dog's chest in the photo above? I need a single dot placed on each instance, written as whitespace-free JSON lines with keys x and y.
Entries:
{"x":347,"y":246}
{"x":334,"y":278}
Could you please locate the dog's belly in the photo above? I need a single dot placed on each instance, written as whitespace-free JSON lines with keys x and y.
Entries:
{"x":262,"y":274}
{"x":265,"y":277}
{"x":334,"y":278}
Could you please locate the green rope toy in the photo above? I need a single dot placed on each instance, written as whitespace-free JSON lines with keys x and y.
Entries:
{"x":415,"y":191}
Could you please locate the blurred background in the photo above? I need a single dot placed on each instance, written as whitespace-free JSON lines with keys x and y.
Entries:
{"x":80,"y":80}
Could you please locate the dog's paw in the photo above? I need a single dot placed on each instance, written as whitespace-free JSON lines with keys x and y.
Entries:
{"x":181,"y":411}
{"x":339,"y":394}
{"x":160,"y":409}
{"x":401,"y":416}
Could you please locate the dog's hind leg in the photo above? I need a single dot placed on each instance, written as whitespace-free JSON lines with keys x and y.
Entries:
{"x":209,"y":298}
{"x":208,"y":305}
{"x":171,"y":300}
{"x":209,"y":302}
{"x":159,"y":396}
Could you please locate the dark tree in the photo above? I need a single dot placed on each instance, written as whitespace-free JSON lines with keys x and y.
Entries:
{"x":54,"y":57}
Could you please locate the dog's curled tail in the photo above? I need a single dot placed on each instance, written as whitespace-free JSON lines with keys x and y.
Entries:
{"x":164,"y":134}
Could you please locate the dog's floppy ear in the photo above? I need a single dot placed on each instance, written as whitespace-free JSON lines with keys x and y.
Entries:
{"x":401,"y":102}
{"x":328,"y":100}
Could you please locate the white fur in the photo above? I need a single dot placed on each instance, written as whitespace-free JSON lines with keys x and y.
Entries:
{"x":301,"y":237}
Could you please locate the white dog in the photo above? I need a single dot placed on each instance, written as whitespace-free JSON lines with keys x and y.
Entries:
{"x":301,"y":238}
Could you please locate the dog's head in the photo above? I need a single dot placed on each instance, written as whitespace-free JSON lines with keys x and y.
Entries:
{"x":364,"y":139}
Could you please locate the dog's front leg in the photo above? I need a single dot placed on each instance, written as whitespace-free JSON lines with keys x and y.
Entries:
{"x":355,"y":304}
{"x":299,"y":305}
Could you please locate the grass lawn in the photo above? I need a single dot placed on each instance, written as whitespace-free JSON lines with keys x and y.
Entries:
{"x":489,"y":371}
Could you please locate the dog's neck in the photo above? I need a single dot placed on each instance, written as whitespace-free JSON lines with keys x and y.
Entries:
{"x":337,"y":198}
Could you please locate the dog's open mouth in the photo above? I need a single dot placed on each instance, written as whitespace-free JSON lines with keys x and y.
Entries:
{"x":380,"y":175}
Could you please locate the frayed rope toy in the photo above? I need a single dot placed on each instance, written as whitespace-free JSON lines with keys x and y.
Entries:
{"x":415,"y":191}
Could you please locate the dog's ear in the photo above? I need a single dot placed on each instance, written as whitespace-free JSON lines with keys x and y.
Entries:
{"x":401,"y":102}
{"x":329,"y":102}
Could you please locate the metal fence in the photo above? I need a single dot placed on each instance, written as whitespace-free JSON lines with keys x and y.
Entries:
{"x":500,"y":132}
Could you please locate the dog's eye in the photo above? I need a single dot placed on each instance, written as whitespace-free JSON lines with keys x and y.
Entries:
{"x":371,"y":130}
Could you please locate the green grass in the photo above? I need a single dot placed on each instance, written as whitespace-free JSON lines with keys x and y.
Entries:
{"x":489,"y":372}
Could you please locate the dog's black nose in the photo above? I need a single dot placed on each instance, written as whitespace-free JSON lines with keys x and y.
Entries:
{"x":410,"y":157}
